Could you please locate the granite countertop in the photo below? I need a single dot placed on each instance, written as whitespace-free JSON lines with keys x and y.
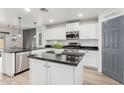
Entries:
{"x":92,"y":48}
{"x":64,"y":58}
{"x":18,"y":50}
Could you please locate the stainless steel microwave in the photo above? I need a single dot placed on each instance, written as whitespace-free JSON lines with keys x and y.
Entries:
{"x":72,"y":35}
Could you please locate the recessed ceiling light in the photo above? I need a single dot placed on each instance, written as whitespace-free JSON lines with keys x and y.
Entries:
{"x":51,"y":20}
{"x":80,"y":15}
{"x":27,"y":9}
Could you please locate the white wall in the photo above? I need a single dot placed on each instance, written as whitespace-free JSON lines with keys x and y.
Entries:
{"x":8,"y":42}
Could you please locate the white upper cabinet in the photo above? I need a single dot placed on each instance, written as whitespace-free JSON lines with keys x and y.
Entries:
{"x":72,"y":26}
{"x":89,"y":31}
{"x":56,"y":33}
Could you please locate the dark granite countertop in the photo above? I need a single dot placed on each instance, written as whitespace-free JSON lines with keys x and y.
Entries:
{"x":92,"y":48}
{"x":18,"y":50}
{"x":65,"y":58}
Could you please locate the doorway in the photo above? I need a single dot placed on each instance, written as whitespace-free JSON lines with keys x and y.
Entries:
{"x":2,"y":43}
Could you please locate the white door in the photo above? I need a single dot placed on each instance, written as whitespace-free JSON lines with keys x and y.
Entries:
{"x":59,"y":74}
{"x":38,"y":72}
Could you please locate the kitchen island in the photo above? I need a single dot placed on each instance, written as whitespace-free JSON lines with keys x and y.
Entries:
{"x":15,"y":61}
{"x":49,"y":68}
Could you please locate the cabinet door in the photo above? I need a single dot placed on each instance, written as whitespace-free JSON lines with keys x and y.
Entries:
{"x":59,"y":33}
{"x":38,"y":72}
{"x":91,"y":31}
{"x":83,"y":32}
{"x":88,"y":31}
{"x":8,"y":63}
{"x":57,"y":78}
{"x":56,"y":33}
{"x":91,"y":59}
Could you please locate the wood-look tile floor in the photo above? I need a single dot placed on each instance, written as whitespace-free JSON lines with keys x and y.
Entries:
{"x":91,"y":77}
{"x":20,"y":79}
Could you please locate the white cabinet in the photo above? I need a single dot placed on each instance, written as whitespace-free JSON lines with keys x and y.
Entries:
{"x":86,"y":31}
{"x":38,"y":72}
{"x":13,"y":63}
{"x":8,"y":63}
{"x":60,"y":74}
{"x":72,"y":26}
{"x":91,"y":59}
{"x":45,"y":72}
{"x":56,"y":33}
{"x":89,"y":31}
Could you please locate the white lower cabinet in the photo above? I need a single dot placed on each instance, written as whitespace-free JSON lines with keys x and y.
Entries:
{"x":45,"y":72}
{"x":60,"y":74}
{"x":91,"y":59}
{"x":38,"y":72}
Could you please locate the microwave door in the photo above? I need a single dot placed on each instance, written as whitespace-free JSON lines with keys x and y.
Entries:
{"x":70,"y":36}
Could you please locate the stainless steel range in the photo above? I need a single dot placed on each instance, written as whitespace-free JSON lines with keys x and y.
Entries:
{"x":72,"y":47}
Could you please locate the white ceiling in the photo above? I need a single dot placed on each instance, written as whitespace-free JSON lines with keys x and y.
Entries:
{"x":9,"y":16}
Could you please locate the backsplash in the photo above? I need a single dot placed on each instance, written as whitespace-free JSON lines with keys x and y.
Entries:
{"x":84,"y":42}
{"x":89,"y":42}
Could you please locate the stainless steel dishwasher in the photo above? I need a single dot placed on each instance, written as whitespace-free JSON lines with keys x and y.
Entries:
{"x":22,"y":62}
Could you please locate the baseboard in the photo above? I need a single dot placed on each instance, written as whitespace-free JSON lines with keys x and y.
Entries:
{"x":89,"y":67}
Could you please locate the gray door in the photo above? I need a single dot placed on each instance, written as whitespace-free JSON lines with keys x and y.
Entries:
{"x":112,"y":54}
